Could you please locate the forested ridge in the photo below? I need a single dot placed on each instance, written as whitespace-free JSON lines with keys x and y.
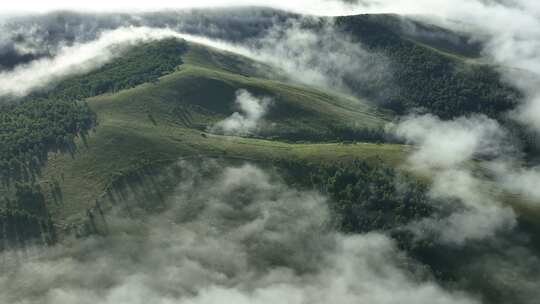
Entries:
{"x":423,"y":78}
{"x":403,"y":166}
{"x":366,"y":196}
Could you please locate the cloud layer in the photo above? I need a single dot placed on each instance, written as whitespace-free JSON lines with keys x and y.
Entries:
{"x":447,"y":144}
{"x":319,"y":7}
{"x":228,"y":235}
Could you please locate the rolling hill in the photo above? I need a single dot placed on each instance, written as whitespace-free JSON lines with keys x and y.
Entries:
{"x":169,"y":117}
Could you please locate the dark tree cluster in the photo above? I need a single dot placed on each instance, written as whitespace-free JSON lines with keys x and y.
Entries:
{"x":364,"y":197}
{"x":30,"y":130}
{"x":25,"y":218}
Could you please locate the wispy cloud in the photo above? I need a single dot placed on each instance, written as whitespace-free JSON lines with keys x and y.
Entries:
{"x":83,"y":57}
{"x":251,"y":111}
{"x":447,"y":144}
{"x":444,"y":150}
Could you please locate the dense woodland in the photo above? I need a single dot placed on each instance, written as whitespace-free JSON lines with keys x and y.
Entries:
{"x":339,"y":134}
{"x":25,"y":218}
{"x":423,"y":78}
{"x":364,"y":196}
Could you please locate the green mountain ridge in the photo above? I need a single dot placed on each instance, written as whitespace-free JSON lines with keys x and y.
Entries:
{"x":167,"y":118}
{"x":157,"y":103}
{"x":115,"y":140}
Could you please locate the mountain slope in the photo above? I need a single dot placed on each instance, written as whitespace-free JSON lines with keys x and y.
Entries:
{"x":119,"y":144}
{"x":158,"y":123}
{"x":159,"y":102}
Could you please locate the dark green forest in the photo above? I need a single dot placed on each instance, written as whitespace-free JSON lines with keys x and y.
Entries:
{"x":423,"y":78}
{"x":28,"y":131}
{"x":365,"y":196}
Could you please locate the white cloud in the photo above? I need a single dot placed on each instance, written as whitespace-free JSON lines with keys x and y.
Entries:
{"x":446,"y":144}
{"x":444,"y":151}
{"x":517,"y":179}
{"x":476,"y":214}
{"x":248,"y":119}
{"x":323,"y":57}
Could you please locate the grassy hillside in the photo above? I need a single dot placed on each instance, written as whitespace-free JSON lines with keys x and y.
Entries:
{"x":197,"y":97}
{"x":158,"y":123}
